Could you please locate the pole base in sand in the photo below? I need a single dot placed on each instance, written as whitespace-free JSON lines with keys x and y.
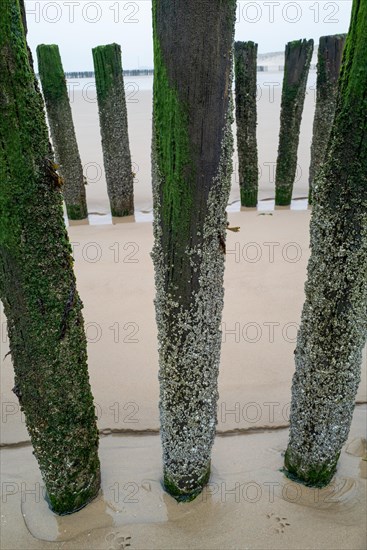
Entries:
{"x":182,"y":495}
{"x":311,"y":475}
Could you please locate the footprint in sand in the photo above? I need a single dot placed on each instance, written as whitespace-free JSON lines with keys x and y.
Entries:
{"x":117,"y":541}
{"x":279,"y":524}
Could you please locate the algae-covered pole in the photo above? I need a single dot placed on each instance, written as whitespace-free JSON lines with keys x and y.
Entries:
{"x":246,"y":117}
{"x":298,"y":56}
{"x":192,"y":166}
{"x":37,"y":286}
{"x":114,"y":128}
{"x":328,"y":67}
{"x":334,"y":321}
{"x":62,"y":130}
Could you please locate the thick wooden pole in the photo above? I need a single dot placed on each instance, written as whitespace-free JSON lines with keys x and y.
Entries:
{"x":38,"y":288}
{"x":192,"y":165}
{"x":62,"y":129}
{"x":246,"y":119}
{"x":334,"y":321}
{"x":298,"y":56}
{"x":328,"y":67}
{"x":114,"y":128}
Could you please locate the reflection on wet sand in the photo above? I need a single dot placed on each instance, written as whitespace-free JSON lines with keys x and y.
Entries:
{"x":248,"y":502}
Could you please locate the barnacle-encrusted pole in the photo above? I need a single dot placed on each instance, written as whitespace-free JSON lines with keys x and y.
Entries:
{"x":298,"y":56}
{"x":334,"y":319}
{"x":37,"y":286}
{"x":114,"y":129}
{"x":192,"y":165}
{"x":328,"y":67}
{"x":245,"y":55}
{"x":62,"y":130}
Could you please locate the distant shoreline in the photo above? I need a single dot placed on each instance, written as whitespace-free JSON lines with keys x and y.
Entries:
{"x":267,"y":62}
{"x":150,"y":72}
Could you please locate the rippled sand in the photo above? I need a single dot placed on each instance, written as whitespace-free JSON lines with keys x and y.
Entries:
{"x":247,"y":504}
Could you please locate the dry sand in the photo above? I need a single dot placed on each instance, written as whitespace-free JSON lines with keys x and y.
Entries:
{"x":139,"y":104}
{"x":265,"y":273}
{"x":264,"y":279}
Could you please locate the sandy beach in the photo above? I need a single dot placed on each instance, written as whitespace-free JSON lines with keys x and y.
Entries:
{"x":139,"y":103}
{"x":249,"y":503}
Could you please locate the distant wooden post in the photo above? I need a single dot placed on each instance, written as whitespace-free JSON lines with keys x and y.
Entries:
{"x":328,"y":67}
{"x":246,"y":118}
{"x":114,"y":128}
{"x":62,"y":130}
{"x":297,"y":64}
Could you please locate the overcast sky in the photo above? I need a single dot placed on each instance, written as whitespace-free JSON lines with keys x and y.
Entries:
{"x":79,"y":25}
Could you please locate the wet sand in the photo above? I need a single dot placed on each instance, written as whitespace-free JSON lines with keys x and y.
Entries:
{"x":249,"y":504}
